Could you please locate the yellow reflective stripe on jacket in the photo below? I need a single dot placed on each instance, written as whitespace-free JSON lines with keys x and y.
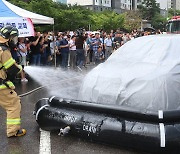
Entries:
{"x":9,"y":83}
{"x":13,"y":121}
{"x":9,"y":63}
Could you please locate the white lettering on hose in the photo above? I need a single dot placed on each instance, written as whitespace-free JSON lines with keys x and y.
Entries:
{"x":70,"y":118}
{"x":89,"y":128}
{"x":64,"y":116}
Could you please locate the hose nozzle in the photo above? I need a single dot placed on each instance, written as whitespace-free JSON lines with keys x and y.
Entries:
{"x":64,"y":131}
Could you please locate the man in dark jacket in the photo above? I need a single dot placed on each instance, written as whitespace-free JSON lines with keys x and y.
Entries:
{"x":79,"y":42}
{"x":64,"y":47}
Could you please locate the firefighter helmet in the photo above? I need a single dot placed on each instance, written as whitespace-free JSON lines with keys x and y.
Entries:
{"x":8,"y":32}
{"x":11,"y":34}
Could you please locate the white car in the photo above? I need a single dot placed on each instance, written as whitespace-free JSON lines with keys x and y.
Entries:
{"x":144,"y":74}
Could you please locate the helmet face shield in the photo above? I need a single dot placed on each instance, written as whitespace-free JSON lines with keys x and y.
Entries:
{"x":14,"y":40}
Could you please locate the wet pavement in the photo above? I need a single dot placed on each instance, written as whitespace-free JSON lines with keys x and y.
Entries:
{"x":29,"y":144}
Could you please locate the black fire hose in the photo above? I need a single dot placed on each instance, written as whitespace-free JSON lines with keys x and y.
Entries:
{"x":171,"y":116}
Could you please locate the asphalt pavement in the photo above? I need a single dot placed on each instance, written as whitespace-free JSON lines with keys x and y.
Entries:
{"x":30,"y":143}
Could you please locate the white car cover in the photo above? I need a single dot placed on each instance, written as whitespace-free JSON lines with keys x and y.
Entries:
{"x":144,"y":73}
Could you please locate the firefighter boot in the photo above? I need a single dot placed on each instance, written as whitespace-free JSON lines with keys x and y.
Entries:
{"x":20,"y":132}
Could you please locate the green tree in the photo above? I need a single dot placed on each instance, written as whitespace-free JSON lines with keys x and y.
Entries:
{"x":159,"y":22}
{"x":73,"y":19}
{"x":132,"y":20}
{"x":107,"y":20}
{"x":149,"y":9}
{"x":66,"y":17}
{"x":172,"y":12}
{"x":19,"y":3}
{"x":69,"y":17}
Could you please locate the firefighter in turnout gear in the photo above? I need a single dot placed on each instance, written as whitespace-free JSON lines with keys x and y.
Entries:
{"x":9,"y":100}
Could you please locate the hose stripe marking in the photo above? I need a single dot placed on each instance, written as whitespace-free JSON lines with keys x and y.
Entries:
{"x":162,"y":135}
{"x":37,"y":113}
{"x":50,"y":99}
{"x":160,"y":114}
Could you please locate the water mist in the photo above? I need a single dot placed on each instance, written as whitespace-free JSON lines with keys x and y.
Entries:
{"x":59,"y":83}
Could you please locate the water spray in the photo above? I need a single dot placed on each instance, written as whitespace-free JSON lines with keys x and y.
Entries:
{"x":41,"y":87}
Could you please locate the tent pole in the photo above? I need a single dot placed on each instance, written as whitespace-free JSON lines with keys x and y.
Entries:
{"x":54,"y":47}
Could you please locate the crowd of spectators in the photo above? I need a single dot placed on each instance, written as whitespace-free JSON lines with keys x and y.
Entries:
{"x":70,"y":49}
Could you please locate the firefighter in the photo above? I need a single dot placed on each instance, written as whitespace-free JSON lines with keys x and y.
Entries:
{"x":9,"y":100}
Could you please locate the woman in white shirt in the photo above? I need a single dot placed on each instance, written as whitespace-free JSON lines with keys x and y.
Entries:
{"x":72,"y":49}
{"x":22,"y":57}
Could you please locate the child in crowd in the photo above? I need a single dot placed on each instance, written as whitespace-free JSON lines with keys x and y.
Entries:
{"x":99,"y":56}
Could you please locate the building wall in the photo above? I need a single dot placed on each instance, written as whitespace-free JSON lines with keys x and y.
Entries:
{"x":177,"y":4}
{"x":121,"y":6}
{"x":61,"y":1}
{"x":104,"y":3}
{"x":134,"y":4}
{"x":164,"y":4}
{"x":96,"y":5}
{"x":173,"y":3}
{"x":126,"y":4}
{"x":80,"y":2}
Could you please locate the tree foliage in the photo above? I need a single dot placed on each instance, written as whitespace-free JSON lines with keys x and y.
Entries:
{"x":159,"y":22}
{"x":172,"y":12}
{"x":132,"y":20}
{"x":107,"y":20}
{"x":149,"y":9}
{"x":69,"y":17}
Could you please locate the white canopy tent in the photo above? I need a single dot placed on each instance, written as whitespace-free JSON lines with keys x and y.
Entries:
{"x":22,"y":19}
{"x":36,"y":18}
